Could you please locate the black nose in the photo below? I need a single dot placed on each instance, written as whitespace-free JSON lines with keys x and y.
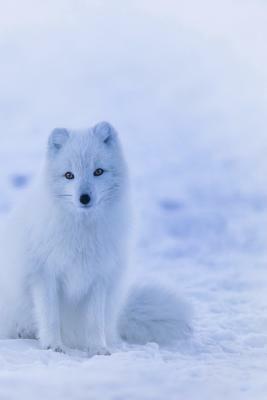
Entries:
{"x":85,"y":199}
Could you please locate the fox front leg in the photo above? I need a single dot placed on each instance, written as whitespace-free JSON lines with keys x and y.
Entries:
{"x":46,"y":304}
{"x":96,"y":342}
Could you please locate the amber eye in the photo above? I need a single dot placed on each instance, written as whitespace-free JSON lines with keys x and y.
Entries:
{"x":69,"y":175}
{"x":98,"y":172}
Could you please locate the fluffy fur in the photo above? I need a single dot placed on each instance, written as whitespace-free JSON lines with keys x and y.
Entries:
{"x":63,"y":262}
{"x":152,"y":313}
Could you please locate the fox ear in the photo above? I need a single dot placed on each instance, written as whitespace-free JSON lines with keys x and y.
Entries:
{"x":57,"y":139}
{"x":105,"y":131}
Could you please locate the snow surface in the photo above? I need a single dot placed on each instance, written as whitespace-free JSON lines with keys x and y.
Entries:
{"x":184,"y":82}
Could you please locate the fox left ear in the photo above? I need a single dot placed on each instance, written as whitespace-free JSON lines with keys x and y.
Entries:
{"x":105,"y":131}
{"x":57,"y":139}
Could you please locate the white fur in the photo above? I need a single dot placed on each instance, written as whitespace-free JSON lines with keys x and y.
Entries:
{"x":153,"y":313}
{"x":62,"y":264}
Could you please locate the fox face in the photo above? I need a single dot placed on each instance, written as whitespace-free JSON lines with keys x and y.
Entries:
{"x":85,"y":169}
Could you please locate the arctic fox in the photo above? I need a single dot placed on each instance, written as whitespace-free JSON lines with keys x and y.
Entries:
{"x":65,"y":255}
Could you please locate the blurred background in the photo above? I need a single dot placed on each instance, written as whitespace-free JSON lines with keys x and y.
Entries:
{"x":185,"y":84}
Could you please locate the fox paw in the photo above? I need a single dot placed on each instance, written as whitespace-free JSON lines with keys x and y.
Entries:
{"x":98,"y":351}
{"x":56,"y":348}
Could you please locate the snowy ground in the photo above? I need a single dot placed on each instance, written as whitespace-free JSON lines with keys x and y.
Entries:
{"x":185,"y":84}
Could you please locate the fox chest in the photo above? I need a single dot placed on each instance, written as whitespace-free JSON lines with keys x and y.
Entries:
{"x":77,"y":261}
{"x":75,"y":267}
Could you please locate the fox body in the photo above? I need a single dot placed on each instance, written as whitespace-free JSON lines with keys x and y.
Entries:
{"x":64,"y":254}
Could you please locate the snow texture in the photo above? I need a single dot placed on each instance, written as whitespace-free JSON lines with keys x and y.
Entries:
{"x":184,"y":82}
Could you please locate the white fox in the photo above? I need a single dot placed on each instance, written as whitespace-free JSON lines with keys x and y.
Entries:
{"x":64,"y":255}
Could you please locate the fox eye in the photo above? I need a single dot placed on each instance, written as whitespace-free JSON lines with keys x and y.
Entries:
{"x":69,"y":175}
{"x":98,"y":172}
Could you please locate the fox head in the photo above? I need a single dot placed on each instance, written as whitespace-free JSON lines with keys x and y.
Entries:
{"x":85,"y":169}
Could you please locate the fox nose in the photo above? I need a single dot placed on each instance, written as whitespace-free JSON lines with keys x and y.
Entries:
{"x":85,"y":199}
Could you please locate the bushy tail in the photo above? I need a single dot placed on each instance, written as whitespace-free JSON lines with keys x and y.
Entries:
{"x":154,"y":314}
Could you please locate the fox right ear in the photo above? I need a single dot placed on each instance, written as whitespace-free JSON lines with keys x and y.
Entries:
{"x":57,"y":139}
{"x":105,"y":131}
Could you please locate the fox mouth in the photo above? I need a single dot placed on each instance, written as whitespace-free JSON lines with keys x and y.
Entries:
{"x":84,"y":208}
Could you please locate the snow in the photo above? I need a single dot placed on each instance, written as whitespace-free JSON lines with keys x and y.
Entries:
{"x":184,"y":82}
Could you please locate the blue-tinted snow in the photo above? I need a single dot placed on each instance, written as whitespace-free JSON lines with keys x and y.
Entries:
{"x":184,"y":82}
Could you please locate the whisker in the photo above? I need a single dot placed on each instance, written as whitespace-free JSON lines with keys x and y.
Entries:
{"x":63,"y":195}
